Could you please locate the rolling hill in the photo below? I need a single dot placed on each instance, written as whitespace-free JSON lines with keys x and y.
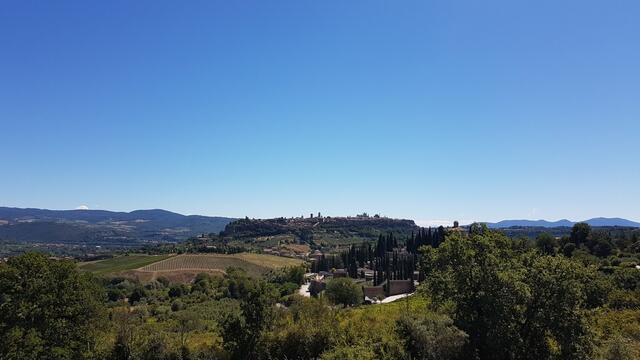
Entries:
{"x":318,"y":232}
{"x":98,"y":227}
{"x":598,"y":222}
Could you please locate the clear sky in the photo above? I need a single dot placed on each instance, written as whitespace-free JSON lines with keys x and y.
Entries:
{"x":430,"y":110}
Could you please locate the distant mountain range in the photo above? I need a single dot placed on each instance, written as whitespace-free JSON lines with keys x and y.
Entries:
{"x":103,"y":227}
{"x":600,"y":221}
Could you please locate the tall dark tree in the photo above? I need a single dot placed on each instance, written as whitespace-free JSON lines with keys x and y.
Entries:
{"x":242,"y":332}
{"x":546,"y":243}
{"x":579,"y":233}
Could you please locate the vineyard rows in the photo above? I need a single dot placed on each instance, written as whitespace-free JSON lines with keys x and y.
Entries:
{"x":203,"y":262}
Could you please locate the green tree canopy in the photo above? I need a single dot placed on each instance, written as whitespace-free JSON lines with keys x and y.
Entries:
{"x":432,"y":337}
{"x":568,"y":249}
{"x":242,"y":331}
{"x":599,"y":243}
{"x":580,"y":232}
{"x":546,"y":243}
{"x":343,"y":291}
{"x":47,"y":309}
{"x":293,"y":336}
{"x":513,"y":303}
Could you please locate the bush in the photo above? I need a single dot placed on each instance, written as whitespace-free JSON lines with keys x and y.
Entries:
{"x":616,"y":262}
{"x":568,"y":249}
{"x":293,"y":274}
{"x":176,"y":291}
{"x":343,"y":291}
{"x":153,"y":285}
{"x":627,"y":278}
{"x":619,"y":348}
{"x":164,"y":281}
{"x":622,"y":299}
{"x":160,"y":310}
{"x":177,"y":305}
{"x":115,"y":294}
{"x":346,"y":352}
{"x":138,"y":294}
{"x":431,"y":338}
{"x":288,"y":288}
{"x":304,"y":332}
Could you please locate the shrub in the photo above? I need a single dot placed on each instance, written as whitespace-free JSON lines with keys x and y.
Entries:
{"x":431,"y":338}
{"x":343,"y":291}
{"x":568,"y":249}
{"x":627,"y":278}
{"x":177,"y":305}
{"x":623,"y":299}
{"x":138,"y":294}
{"x":176,"y":291}
{"x":346,"y":352}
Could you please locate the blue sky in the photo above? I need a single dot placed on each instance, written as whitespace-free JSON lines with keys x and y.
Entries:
{"x":430,"y":110}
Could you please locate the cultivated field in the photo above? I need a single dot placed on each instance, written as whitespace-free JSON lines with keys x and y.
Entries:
{"x":269,"y":261}
{"x":120,"y":263}
{"x":254,"y":264}
{"x":182,"y":268}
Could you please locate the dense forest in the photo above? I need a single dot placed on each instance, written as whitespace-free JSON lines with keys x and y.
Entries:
{"x":484,"y":296}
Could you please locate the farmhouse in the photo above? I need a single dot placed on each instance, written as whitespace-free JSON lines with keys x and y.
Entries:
{"x":389,"y":288}
{"x":338,"y":273}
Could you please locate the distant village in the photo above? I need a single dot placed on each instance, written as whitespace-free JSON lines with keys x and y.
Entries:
{"x":386,"y":270}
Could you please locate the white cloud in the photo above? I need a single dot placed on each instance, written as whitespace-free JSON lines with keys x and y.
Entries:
{"x":82,"y":207}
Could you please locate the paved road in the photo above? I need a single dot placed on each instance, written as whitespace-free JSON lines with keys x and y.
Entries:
{"x":394,"y":298}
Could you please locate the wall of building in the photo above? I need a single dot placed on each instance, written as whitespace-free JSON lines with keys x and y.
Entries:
{"x":373,"y":291}
{"x":397,"y":287}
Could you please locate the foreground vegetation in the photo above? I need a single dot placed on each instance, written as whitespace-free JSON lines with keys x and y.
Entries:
{"x":485,"y":296}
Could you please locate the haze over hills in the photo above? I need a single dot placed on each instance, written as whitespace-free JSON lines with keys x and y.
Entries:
{"x":599,"y":221}
{"x":102,"y":226}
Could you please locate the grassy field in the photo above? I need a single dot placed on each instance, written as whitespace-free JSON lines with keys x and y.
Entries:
{"x":269,"y":261}
{"x":183,"y":268}
{"x":254,"y":264}
{"x":120,"y":263}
